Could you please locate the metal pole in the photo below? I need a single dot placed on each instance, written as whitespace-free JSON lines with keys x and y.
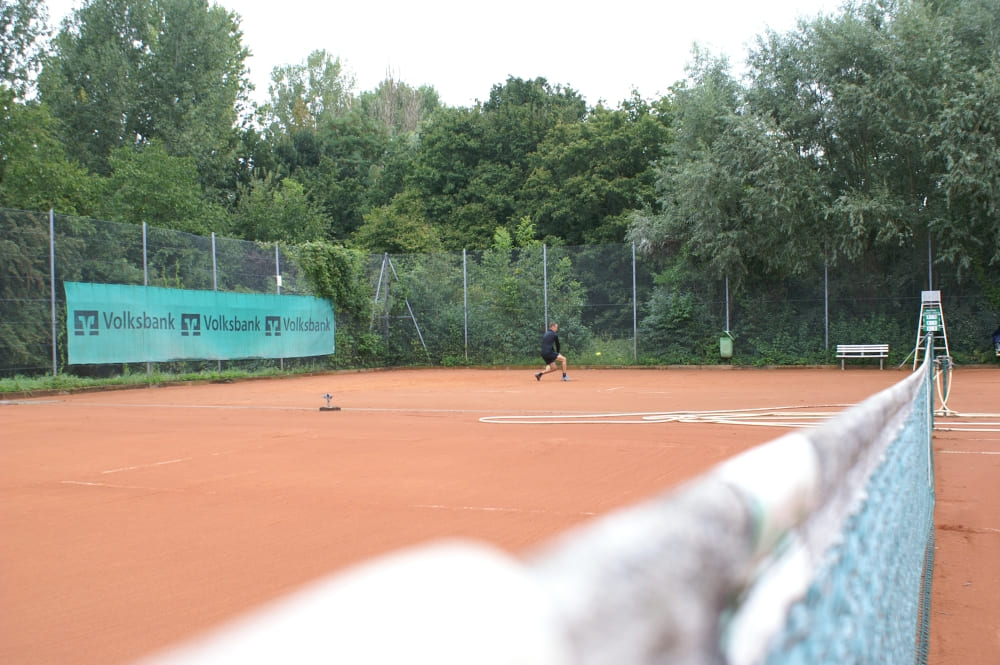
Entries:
{"x":215,"y":274}
{"x":635,"y":311}
{"x":826,"y":302}
{"x":930,"y":262}
{"x":145,"y":281}
{"x":465,"y":301}
{"x":277,"y":270}
{"x":545,"y":286}
{"x":727,"y":303}
{"x":378,"y":292}
{"x":215,"y":286}
{"x":52,"y":288}
{"x":277,"y":287}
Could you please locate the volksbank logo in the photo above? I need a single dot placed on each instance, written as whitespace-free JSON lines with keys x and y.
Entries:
{"x":190,"y":325}
{"x":272,"y":326}
{"x":85,"y":322}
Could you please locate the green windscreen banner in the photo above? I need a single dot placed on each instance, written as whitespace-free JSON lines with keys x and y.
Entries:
{"x":115,"y":323}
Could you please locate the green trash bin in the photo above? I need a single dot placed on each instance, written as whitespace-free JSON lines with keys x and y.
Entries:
{"x":726,"y":346}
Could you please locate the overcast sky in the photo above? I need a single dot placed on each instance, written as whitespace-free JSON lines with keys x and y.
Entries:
{"x":601,"y":49}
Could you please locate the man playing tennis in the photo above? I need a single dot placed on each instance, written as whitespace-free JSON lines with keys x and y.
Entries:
{"x":550,"y":352}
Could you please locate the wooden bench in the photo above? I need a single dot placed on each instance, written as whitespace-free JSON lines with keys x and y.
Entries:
{"x":880,"y":351}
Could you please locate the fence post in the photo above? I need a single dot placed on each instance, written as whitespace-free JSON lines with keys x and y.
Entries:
{"x":215,"y":286}
{"x":826,"y":303}
{"x":277,"y":288}
{"x":52,"y":289}
{"x":727,"y":303}
{"x":277,"y":270}
{"x":635,"y":311}
{"x":545,"y":286}
{"x":465,"y":302}
{"x":145,"y":279}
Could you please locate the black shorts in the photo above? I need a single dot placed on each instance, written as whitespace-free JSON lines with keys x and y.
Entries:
{"x":550,"y":358}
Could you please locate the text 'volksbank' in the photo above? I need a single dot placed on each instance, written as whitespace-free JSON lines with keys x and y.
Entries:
{"x":192,"y":324}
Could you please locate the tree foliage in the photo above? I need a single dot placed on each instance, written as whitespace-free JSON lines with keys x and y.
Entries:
{"x":35,"y":172}
{"x":22,"y":29}
{"x":855,"y":139}
{"x":278,"y":211}
{"x":303,"y":95}
{"x":125,"y":72}
{"x":149,"y":185}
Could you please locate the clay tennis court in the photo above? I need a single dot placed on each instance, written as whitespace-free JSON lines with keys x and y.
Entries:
{"x":135,"y":518}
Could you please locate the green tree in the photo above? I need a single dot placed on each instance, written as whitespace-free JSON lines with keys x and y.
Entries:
{"x":398,"y":106}
{"x":197,"y":87}
{"x":125,"y":72}
{"x":398,"y":228}
{"x":585,"y":177}
{"x":450,"y":150}
{"x":270,"y":211}
{"x":35,"y":173}
{"x":337,"y":162}
{"x":890,"y":98}
{"x":848,"y":130}
{"x":22,"y":27}
{"x":968,"y":135}
{"x":149,"y":185}
{"x":302,"y":96}
{"x":318,"y":135}
{"x":472,"y":163}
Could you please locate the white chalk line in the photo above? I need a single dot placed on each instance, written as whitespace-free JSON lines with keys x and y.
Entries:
{"x":151,"y":465}
{"x":120,"y":487}
{"x":969,"y":452}
{"x":148,"y":465}
{"x":774,"y":416}
{"x":265,"y":407}
{"x":496,"y":509}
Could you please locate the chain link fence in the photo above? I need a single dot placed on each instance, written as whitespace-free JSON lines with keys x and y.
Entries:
{"x":485,"y":308}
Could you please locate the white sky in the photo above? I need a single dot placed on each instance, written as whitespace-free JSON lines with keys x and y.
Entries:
{"x":601,"y":49}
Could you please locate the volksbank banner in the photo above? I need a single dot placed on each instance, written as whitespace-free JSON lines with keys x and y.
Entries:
{"x":113,"y":323}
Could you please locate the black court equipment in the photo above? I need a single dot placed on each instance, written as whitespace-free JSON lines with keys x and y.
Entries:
{"x":328,"y":407}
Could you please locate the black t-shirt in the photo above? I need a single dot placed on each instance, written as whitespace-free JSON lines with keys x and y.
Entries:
{"x":550,"y":343}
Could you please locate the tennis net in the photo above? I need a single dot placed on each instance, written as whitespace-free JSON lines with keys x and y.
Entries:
{"x":814,"y":548}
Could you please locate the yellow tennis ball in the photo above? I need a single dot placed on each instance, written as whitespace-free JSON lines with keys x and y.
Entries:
{"x":598,"y":353}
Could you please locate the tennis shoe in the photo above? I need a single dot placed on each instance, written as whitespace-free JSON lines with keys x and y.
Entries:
{"x":565,"y":378}
{"x":538,"y":377}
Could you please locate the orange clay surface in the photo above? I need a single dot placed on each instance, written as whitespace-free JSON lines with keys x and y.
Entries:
{"x":132,"y":519}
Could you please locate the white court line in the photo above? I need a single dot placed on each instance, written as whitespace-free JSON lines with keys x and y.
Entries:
{"x":242,"y":407}
{"x":493,"y":509}
{"x":146,"y":466}
{"x":120,"y":487}
{"x":969,"y":452}
{"x":375,"y":409}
